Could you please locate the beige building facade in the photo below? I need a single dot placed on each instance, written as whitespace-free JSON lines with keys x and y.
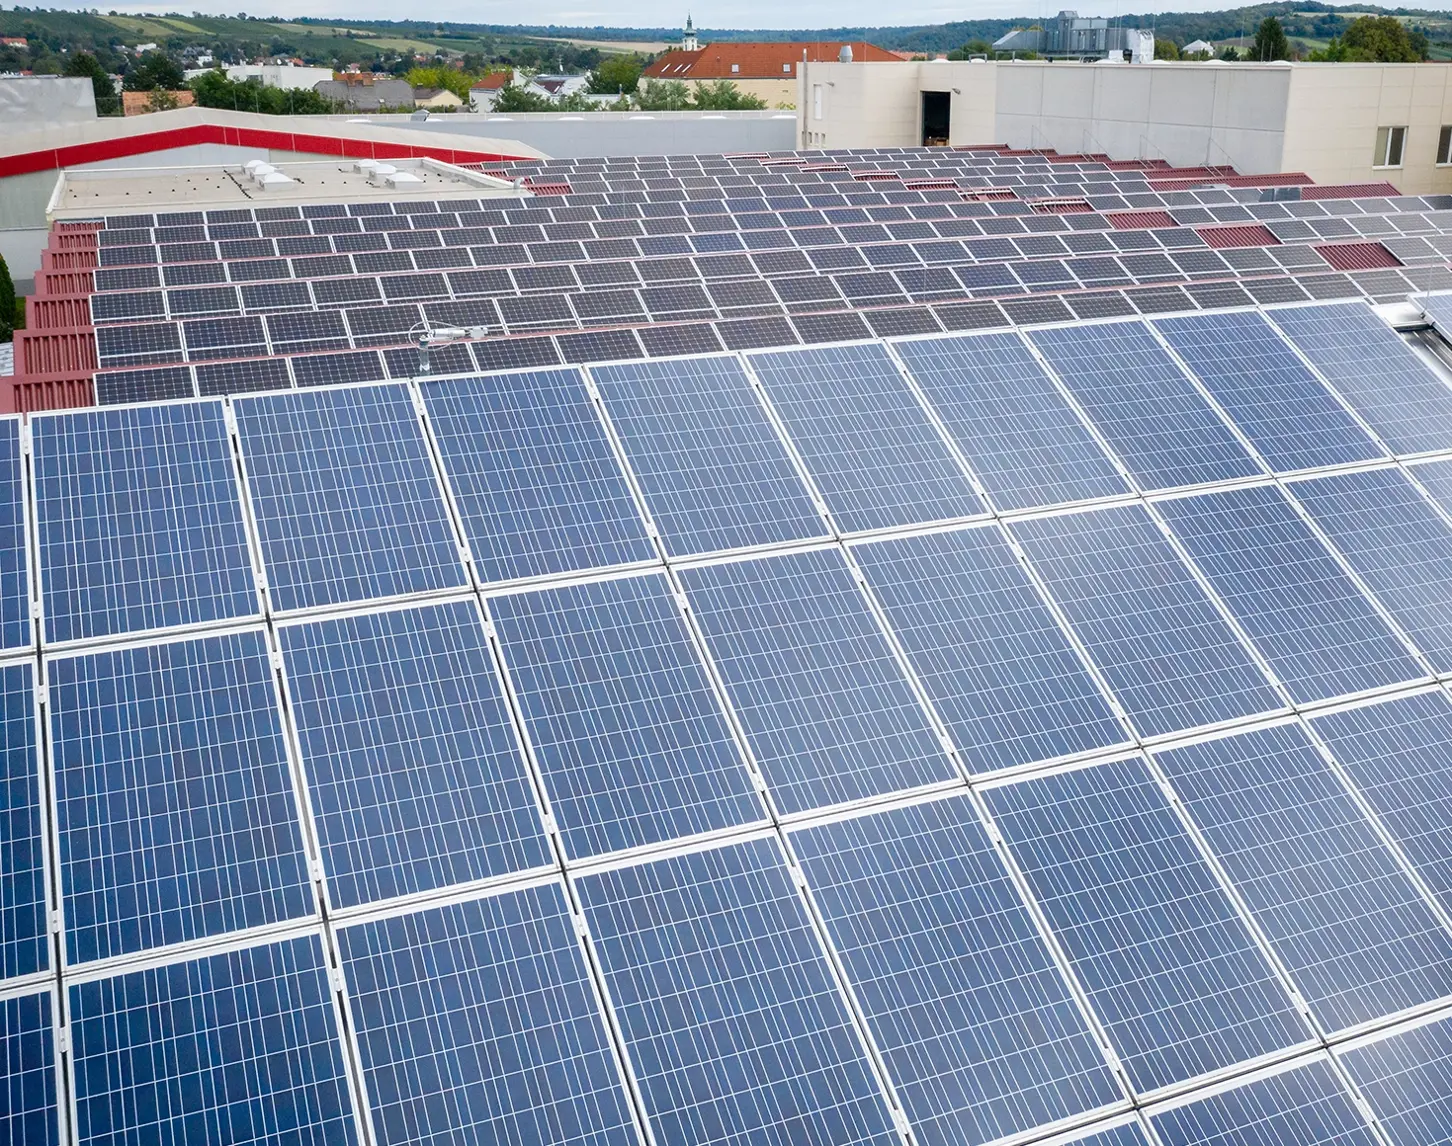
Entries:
{"x":1338,"y":123}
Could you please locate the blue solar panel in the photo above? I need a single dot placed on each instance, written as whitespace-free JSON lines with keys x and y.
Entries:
{"x":1398,"y":755}
{"x":1167,"y":964}
{"x":997,"y":667}
{"x":1398,"y":396}
{"x":478,"y":1022}
{"x":533,"y":475}
{"x":1319,"y":633}
{"x":869,"y":446}
{"x":1124,"y":1134}
{"x":28,"y":1110}
{"x":416,"y":779}
{"x":1350,"y":927}
{"x":713,"y":471}
{"x":1397,"y":543}
{"x":1150,"y":413}
{"x":1023,"y":439}
{"x":345,"y":498}
{"x":237,"y":1047}
{"x":1406,"y":1079}
{"x":1307,"y":1106}
{"x":24,"y":914}
{"x":731,"y":1019}
{"x":15,"y":627}
{"x":139,"y":520}
{"x":827,"y":711}
{"x":1293,"y":421}
{"x":175,"y":807}
{"x":1164,"y":650}
{"x":631,"y":742}
{"x":1436,"y":479}
{"x":976,"y":1025}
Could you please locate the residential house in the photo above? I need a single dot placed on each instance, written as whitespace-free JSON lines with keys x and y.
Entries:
{"x":363,"y":91}
{"x":765,"y":70}
{"x":483,"y":93}
{"x":435,"y":98}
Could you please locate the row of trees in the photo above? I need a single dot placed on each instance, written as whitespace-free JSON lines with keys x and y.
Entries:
{"x":1366,"y":39}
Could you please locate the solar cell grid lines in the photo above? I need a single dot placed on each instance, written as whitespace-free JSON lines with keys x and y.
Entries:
{"x":344,"y":494}
{"x":29,"y":1111}
{"x":23,"y":876}
{"x":16,"y":629}
{"x":1406,"y":1078}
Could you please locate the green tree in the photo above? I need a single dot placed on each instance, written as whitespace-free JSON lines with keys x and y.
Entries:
{"x":517,"y":99}
{"x":450,"y":79}
{"x":1230,"y":54}
{"x":616,"y":74}
{"x":1167,"y":50}
{"x":214,"y":89}
{"x":723,"y":95}
{"x":1270,"y":42}
{"x":7,"y":303}
{"x":156,"y":70}
{"x":664,"y":95}
{"x":1382,"y":39}
{"x":84,"y":65}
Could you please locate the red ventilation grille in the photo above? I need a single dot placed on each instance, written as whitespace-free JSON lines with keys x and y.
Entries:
{"x":1061,"y":207}
{"x":548,"y":188}
{"x":49,"y":352}
{"x":985,"y":194}
{"x":52,"y":260}
{"x":876,"y":176}
{"x":1139,"y":220}
{"x":1349,"y":191}
{"x":1358,"y":256}
{"x":56,"y":313}
{"x":49,"y":282}
{"x":1252,"y":235}
{"x":930,"y":184}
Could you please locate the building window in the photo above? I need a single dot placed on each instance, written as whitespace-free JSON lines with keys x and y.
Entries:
{"x":1389,"y":144}
{"x":786,"y":69}
{"x":816,"y":101}
{"x":735,"y":67}
{"x":1444,"y":146}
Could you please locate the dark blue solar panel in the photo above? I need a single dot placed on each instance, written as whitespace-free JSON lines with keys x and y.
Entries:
{"x":478,"y":1022}
{"x":1319,"y":633}
{"x":1398,"y":755}
{"x":1397,"y":542}
{"x":1406,"y":1079}
{"x":1307,"y":1106}
{"x":1024,"y":441}
{"x":1398,"y":396}
{"x":175,"y":807}
{"x":237,"y":1047}
{"x":1288,"y":415}
{"x":1168,"y":965}
{"x":1150,"y":413}
{"x":416,"y":779}
{"x":827,"y":711}
{"x":713,"y":471}
{"x":976,"y":1025}
{"x":532,"y":472}
{"x":24,"y":915}
{"x":28,"y":1110}
{"x":869,"y":446}
{"x":731,"y":1019}
{"x":1124,"y":1134}
{"x":1166,"y":652}
{"x":631,"y":742}
{"x":343,"y":491}
{"x":15,"y":626}
{"x":1350,"y":927}
{"x":997,"y":667}
{"x":139,"y":520}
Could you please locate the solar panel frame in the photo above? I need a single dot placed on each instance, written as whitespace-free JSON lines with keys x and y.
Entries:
{"x":17,"y":578}
{"x":25,"y":880}
{"x":32,"y":1108}
{"x":1405,"y":1077}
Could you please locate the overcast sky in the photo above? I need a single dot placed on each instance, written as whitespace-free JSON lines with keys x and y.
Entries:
{"x":671,"y":13}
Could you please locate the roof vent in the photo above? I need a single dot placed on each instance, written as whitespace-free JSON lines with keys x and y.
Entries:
{"x":845,"y":55}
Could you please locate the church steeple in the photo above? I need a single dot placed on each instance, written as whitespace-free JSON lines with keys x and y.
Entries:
{"x":688,"y":36}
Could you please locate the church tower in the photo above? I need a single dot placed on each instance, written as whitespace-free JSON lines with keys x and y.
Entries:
{"x":688,"y":37}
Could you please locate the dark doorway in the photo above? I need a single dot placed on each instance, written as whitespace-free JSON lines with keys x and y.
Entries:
{"x":936,"y":115}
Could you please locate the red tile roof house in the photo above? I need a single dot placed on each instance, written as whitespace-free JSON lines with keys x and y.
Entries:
{"x":765,"y":70}
{"x":484,"y":92}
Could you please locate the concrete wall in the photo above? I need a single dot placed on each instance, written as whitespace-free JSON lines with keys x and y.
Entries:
{"x":46,"y":99}
{"x":859,"y":105}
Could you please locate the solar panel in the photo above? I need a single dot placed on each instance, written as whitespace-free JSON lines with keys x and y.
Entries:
{"x":975,"y":1022}
{"x":713,"y":473}
{"x":1406,"y":1079}
{"x":138,"y":520}
{"x":415,"y":778}
{"x":221,"y":378}
{"x":1162,"y":646}
{"x":798,"y":1070}
{"x":15,"y":624}
{"x":479,"y":1021}
{"x":686,"y":338}
{"x":630,"y":739}
{"x":1319,"y":634}
{"x":828,"y":714}
{"x":1306,"y":1106}
{"x":24,"y":910}
{"x":1397,"y":543}
{"x":1285,"y":411}
{"x":1023,"y":440}
{"x":533,"y":476}
{"x":1355,"y":935}
{"x":333,"y":369}
{"x":866,"y":442}
{"x":175,"y":810}
{"x":344,"y":497}
{"x":28,"y":1108}
{"x":1171,"y":970}
{"x":997,"y":667}
{"x":1147,"y":410}
{"x":241,"y":1045}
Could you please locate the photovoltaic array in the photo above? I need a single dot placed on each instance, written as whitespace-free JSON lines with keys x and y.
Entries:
{"x":954,"y":738}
